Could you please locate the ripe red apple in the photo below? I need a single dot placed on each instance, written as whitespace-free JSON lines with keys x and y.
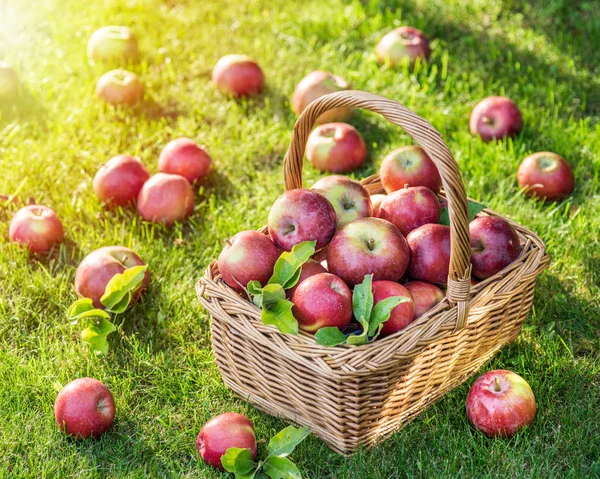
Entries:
{"x":120,"y":87}
{"x":494,"y":245}
{"x":403,"y":45}
{"x":410,"y":208}
{"x":376,"y":201}
{"x":425,"y":296}
{"x":166,"y":199}
{"x":321,"y":301}
{"x":185,"y":158}
{"x":500,"y":403}
{"x":336,"y":147}
{"x":113,"y":43}
{"x":429,"y":253}
{"x":84,"y":408}
{"x":409,"y":165}
{"x":315,"y":85}
{"x":98,"y":268}
{"x":9,"y":82}
{"x":310,"y":268}
{"x":248,"y":256}
{"x":37,"y":227}
{"x":349,"y":198}
{"x":119,"y":180}
{"x":495,"y":117}
{"x":222,"y":432}
{"x":238,"y":75}
{"x":546,"y":175}
{"x":365,"y":246}
{"x":403,"y":314}
{"x":301,"y":215}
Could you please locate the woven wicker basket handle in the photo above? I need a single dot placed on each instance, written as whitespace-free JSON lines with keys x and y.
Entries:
{"x":459,"y":277}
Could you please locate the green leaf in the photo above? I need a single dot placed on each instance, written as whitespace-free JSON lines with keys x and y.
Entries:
{"x":359,"y":339}
{"x":272,"y":293}
{"x":84,"y":309}
{"x":96,"y":335}
{"x":280,"y":315}
{"x":381,"y":313}
{"x":330,"y":336}
{"x":474,"y":208}
{"x":362,"y":300}
{"x":238,"y":461}
{"x":281,"y":468}
{"x":120,"y":288}
{"x":287,"y":266}
{"x":285,"y":441}
{"x":255,"y":288}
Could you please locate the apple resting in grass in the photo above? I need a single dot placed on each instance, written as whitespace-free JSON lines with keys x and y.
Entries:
{"x":495,"y":117}
{"x":119,"y":180}
{"x":166,"y":199}
{"x":301,"y":215}
{"x":248,"y":256}
{"x":36,"y":227}
{"x":546,"y":175}
{"x":500,"y":403}
{"x":336,"y":147}
{"x":310,"y":268}
{"x":410,"y":208}
{"x":494,"y":245}
{"x":238,"y":75}
{"x":409,"y":165}
{"x":425,"y":296}
{"x":98,"y":268}
{"x":376,"y":201}
{"x":223,"y":432}
{"x":185,"y":158}
{"x":323,"y":300}
{"x":403,"y":45}
{"x":317,"y":84}
{"x":429,"y":253}
{"x":84,"y":408}
{"x":113,"y":43}
{"x":349,"y":198}
{"x":9,"y":82}
{"x":365,"y":246}
{"x":120,"y":87}
{"x":403,"y":314}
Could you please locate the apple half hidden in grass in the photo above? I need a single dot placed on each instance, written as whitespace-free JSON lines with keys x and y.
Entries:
{"x":403,"y":45}
{"x":494,"y":118}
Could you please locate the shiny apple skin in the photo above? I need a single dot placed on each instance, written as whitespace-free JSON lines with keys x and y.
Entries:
{"x":238,"y":76}
{"x":310,"y":268}
{"x":36,"y":227}
{"x":166,"y":199}
{"x":315,"y":85}
{"x":119,"y":180}
{"x":336,"y":148}
{"x":409,"y":165}
{"x":494,"y":245}
{"x":546,"y":175}
{"x":429,"y":253}
{"x":425,"y":296}
{"x":403,"y":44}
{"x":184,"y":157}
{"x":410,"y":208}
{"x":120,"y":87}
{"x":494,"y":118}
{"x":403,"y":314}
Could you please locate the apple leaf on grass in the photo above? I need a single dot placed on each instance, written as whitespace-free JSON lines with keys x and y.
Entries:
{"x":285,"y":441}
{"x":281,"y":468}
{"x":239,"y":461}
{"x":120,"y":288}
{"x":96,"y":335}
{"x":473,"y":206}
{"x":84,"y":308}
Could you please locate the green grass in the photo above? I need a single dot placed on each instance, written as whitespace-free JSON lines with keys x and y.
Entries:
{"x":543,"y":54}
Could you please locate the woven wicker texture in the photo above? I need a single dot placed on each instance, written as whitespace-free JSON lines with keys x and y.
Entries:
{"x":352,"y":396}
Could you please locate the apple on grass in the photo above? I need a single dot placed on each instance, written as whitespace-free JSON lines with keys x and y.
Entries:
{"x":9,"y":82}
{"x":429,"y":253}
{"x":500,"y":403}
{"x":494,"y":245}
{"x":403,"y":314}
{"x":84,"y":408}
{"x":376,"y":201}
{"x":494,"y":118}
{"x":184,"y":157}
{"x":425,"y":296}
{"x":349,"y":198}
{"x":546,"y":175}
{"x":403,"y":45}
{"x":315,"y":85}
{"x":119,"y":180}
{"x":36,"y":227}
{"x":166,"y":199}
{"x":368,"y":246}
{"x":336,"y":148}
{"x":120,"y":87}
{"x":310,"y":268}
{"x":410,"y":208}
{"x":222,"y":432}
{"x":238,"y":75}
{"x":113,"y":43}
{"x":409,"y":165}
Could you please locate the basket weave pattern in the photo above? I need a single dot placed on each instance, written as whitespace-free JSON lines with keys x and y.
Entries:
{"x":352,"y":396}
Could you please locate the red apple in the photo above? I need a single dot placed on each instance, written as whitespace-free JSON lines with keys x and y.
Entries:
{"x":84,"y":408}
{"x":409,"y":165}
{"x":98,"y":268}
{"x":410,"y":208}
{"x":119,"y":180}
{"x":310,"y":268}
{"x":500,"y":403}
{"x":376,"y":201}
{"x":365,"y":246}
{"x":37,"y":227}
{"x":120,"y":87}
{"x":9,"y":82}
{"x":546,"y":175}
{"x":403,"y":314}
{"x":323,"y":300}
{"x":495,"y":117}
{"x":429,"y":253}
{"x":494,"y":245}
{"x":403,"y":45}
{"x":185,"y":158}
{"x":425,"y":296}
{"x":248,"y":256}
{"x":113,"y":43}
{"x":166,"y":199}
{"x":349,"y":198}
{"x":238,"y":75}
{"x":336,"y":147}
{"x":315,"y":85}
{"x":223,"y":432}
{"x":301,"y":215}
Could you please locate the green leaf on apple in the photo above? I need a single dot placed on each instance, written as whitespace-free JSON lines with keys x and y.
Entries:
{"x":281,"y":468}
{"x":84,"y":309}
{"x":239,"y":461}
{"x":330,"y":336}
{"x":474,"y":208}
{"x":96,"y":335}
{"x":288,"y":267}
{"x":120,"y":288}
{"x":285,"y":441}
{"x":381,"y":313}
{"x":279,"y":314}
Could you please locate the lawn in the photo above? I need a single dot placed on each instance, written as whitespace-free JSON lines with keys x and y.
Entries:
{"x":543,"y":54}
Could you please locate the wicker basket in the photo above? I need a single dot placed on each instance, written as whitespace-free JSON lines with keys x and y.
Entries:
{"x":348,"y":395}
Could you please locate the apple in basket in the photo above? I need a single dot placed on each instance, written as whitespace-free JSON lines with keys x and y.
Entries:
{"x":336,"y":147}
{"x":494,"y":245}
{"x":238,"y":75}
{"x":166,"y":199}
{"x":310,"y":268}
{"x":495,"y":117}
{"x":113,"y":43}
{"x":184,"y":157}
{"x":376,"y":201}
{"x":36,"y":227}
{"x":315,"y":85}
{"x":119,"y":180}
{"x":409,"y":165}
{"x":349,"y":198}
{"x":425,"y":296}
{"x":410,"y":208}
{"x":403,"y":314}
{"x":429,"y":253}
{"x":120,"y":87}
{"x":404,"y":44}
{"x":546,"y":175}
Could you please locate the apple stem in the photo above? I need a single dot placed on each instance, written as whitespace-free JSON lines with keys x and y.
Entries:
{"x":125,"y":258}
{"x":487,"y":121}
{"x":497,"y":386}
{"x":228,"y":243}
{"x":371,"y":244}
